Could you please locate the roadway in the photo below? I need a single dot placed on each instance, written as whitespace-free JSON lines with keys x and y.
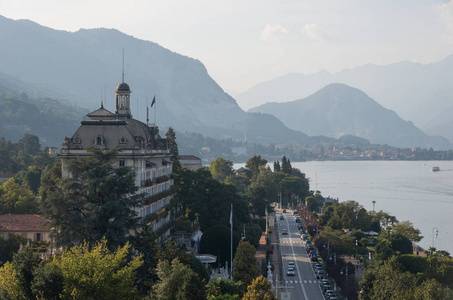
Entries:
{"x":304,"y":285}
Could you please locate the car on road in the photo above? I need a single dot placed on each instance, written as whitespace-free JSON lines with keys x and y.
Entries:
{"x":290,"y":271}
{"x":281,"y":217}
{"x":284,"y":231}
{"x":291,"y":264}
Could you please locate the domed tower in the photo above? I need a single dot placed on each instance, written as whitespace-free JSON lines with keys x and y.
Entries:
{"x":123,"y":100}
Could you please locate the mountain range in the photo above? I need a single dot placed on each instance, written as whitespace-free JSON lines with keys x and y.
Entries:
{"x":416,"y":92}
{"x":338,"y":110}
{"x":83,"y":68}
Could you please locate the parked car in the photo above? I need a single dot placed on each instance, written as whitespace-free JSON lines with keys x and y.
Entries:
{"x":284,"y":231}
{"x":324,"y":282}
{"x":281,"y":217}
{"x":329,"y":294}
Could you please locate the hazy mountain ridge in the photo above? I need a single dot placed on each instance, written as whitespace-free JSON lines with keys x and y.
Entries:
{"x":416,"y":92}
{"x":87,"y":63}
{"x":337,"y":110}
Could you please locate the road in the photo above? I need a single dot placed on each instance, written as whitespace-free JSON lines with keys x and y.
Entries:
{"x":304,"y":284}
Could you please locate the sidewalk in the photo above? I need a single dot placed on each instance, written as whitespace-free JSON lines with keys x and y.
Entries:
{"x":274,"y":257}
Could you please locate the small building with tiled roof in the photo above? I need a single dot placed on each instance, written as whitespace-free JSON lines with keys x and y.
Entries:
{"x":33,"y":227}
{"x":190,"y":161}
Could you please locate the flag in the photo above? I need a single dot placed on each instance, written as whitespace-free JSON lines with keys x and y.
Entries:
{"x":154,"y":101}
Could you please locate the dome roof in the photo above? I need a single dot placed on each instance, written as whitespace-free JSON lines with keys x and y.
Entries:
{"x":123,"y":87}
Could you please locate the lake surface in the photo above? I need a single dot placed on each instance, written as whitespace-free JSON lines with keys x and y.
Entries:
{"x":408,"y":190}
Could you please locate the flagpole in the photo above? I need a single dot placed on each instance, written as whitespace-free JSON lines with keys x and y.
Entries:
{"x":155,"y":108}
{"x":231,"y":222}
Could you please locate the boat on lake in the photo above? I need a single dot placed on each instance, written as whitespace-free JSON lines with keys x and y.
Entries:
{"x":436,"y":169}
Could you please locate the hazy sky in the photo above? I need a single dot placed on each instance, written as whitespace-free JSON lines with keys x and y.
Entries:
{"x":244,"y":42}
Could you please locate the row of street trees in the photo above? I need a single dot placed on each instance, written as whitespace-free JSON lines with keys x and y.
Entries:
{"x":395,"y":272}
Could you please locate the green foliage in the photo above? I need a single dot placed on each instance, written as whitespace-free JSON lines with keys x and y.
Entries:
{"x":406,"y":229}
{"x":92,"y":204}
{"x":217,"y":241}
{"x":245,"y":265}
{"x":259,"y":289}
{"x":15,"y":199}
{"x":218,"y":289}
{"x":177,"y":281}
{"x":413,"y":263}
{"x":387,"y":281}
{"x":253,"y":233}
{"x":171,"y":250}
{"x":210,"y":200}
{"x":48,"y":282}
{"x":262,"y":191}
{"x":10,"y":246}
{"x":286,"y":165}
{"x":347,"y":215}
{"x":24,"y":263}
{"x":96,"y":273}
{"x":253,"y":164}
{"x":10,"y":287}
{"x":221,"y":168}
{"x":173,"y":146}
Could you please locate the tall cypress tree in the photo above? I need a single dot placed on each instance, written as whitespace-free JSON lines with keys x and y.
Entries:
{"x":173,"y":146}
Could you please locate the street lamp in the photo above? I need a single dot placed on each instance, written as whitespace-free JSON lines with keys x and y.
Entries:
{"x":328,"y":247}
{"x":334,"y":257}
{"x":341,"y":271}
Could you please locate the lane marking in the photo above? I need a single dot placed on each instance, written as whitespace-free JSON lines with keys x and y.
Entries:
{"x":297,"y":266}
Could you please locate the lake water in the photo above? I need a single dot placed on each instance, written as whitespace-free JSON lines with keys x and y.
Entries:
{"x":408,"y":190}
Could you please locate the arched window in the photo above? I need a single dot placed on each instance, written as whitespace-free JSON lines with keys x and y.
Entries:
{"x":99,"y":141}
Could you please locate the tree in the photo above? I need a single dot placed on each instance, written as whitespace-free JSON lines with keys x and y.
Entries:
{"x":253,"y":164}
{"x":406,"y":228}
{"x":93,"y":203}
{"x":177,"y":281}
{"x":171,"y":250}
{"x":48,"y":282}
{"x":24,"y":263}
{"x":221,"y":168}
{"x":173,"y":146}
{"x":10,"y":287}
{"x":286,"y":166}
{"x":387,"y":281}
{"x":262,"y":191}
{"x":277,"y":167}
{"x":245,"y":265}
{"x":29,"y":144}
{"x":218,"y":289}
{"x":10,"y":246}
{"x":259,"y":289}
{"x":97,"y":273}
{"x":15,"y":199}
{"x":217,"y":241}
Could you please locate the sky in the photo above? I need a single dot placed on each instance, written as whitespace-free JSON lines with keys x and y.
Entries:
{"x":245,"y":42}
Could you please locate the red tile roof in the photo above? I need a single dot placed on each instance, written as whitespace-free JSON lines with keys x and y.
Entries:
{"x":23,"y":223}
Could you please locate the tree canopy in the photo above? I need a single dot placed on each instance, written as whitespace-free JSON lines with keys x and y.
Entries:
{"x":93,"y":203}
{"x":245,"y":265}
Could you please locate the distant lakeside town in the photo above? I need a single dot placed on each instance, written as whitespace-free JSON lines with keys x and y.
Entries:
{"x":208,"y":149}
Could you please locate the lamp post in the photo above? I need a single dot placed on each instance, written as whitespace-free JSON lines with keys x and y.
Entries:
{"x":334,"y":257}
{"x":341,"y":271}
{"x":328,"y":248}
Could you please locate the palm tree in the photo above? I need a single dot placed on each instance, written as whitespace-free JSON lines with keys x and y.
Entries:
{"x":374,"y":203}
